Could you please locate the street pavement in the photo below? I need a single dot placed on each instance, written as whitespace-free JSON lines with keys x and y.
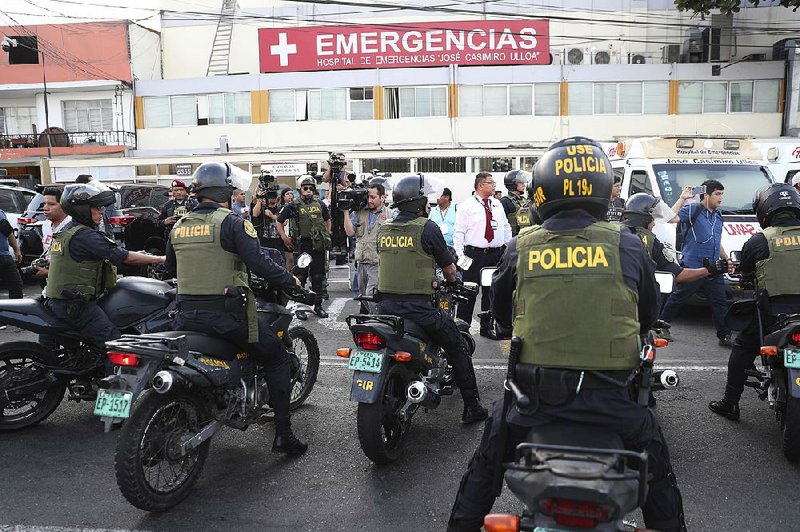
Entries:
{"x":59,"y":475}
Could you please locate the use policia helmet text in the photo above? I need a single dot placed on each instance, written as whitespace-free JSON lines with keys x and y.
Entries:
{"x":78,"y":199}
{"x":574,"y":173}
{"x":772,"y":199}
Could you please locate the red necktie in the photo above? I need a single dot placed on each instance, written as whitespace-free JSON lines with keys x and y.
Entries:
{"x":488,"y":233}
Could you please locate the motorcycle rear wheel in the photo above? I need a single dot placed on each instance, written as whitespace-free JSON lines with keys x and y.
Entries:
{"x":20,"y":361}
{"x":151,"y":474}
{"x":790,"y":428}
{"x":381,"y":433}
{"x":304,"y":375}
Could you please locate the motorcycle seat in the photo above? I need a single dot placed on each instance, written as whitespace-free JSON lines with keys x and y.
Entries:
{"x":575,"y":435}
{"x":31,"y":315}
{"x":415,"y":330}
{"x":207,"y":345}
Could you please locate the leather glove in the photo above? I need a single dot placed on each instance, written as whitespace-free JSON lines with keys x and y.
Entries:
{"x":455,"y":285}
{"x":716,"y":268}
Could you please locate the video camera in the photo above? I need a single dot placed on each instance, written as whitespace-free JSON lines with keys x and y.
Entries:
{"x":337,"y":161}
{"x":267,"y":187}
{"x":354,"y":198}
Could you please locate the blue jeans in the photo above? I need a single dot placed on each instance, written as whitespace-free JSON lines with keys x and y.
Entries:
{"x":714,"y":290}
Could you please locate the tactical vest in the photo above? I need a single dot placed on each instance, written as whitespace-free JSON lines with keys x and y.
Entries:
{"x":403,"y":265}
{"x":366,"y":239}
{"x":557,"y":275}
{"x":777,"y":274}
{"x":87,"y":279}
{"x":520,"y":205}
{"x":648,"y":239}
{"x":204,"y":267}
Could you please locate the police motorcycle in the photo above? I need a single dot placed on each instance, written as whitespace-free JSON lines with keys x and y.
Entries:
{"x":133,"y":375}
{"x":398,"y":369}
{"x":579,"y":477}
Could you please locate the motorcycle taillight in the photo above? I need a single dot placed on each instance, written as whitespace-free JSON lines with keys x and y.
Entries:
{"x":577,"y":514}
{"x":795,"y":338}
{"x":123,"y":359}
{"x":369,"y":341}
{"x":121,"y":220}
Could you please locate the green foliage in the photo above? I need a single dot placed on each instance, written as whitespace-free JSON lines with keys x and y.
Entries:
{"x":704,"y":7}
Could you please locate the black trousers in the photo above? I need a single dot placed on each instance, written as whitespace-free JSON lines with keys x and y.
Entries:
{"x":746,"y":348}
{"x":440,"y":327}
{"x":87,"y":317}
{"x":269,"y":351}
{"x":480,"y":259}
{"x":9,"y":277}
{"x":318,"y":271}
{"x":610,"y":408}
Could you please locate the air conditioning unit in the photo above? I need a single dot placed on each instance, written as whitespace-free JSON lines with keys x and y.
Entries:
{"x":600,"y":56}
{"x":576,"y":56}
{"x":671,"y":53}
{"x":637,"y":59}
{"x":692,"y":51}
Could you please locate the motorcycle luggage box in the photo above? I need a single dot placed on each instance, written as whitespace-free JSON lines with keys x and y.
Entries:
{"x":32,"y":316}
{"x":134,"y":298}
{"x":207,"y":345}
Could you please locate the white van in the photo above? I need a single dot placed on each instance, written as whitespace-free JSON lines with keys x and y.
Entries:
{"x":663,"y":166}
{"x":782,"y":155}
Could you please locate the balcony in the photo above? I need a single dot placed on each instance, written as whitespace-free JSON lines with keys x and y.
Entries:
{"x":63,"y":139}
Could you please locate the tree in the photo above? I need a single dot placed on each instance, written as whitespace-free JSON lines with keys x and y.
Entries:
{"x":704,"y":7}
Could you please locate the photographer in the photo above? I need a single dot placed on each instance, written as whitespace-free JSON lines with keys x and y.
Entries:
{"x":179,"y":205}
{"x":265,"y":211}
{"x":364,"y":223}
{"x":338,"y":176}
{"x":310,"y":224}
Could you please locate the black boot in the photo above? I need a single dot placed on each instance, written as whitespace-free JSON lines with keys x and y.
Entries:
{"x":319,"y":311}
{"x":473,"y":409}
{"x":285,"y":441}
{"x":725,"y":408}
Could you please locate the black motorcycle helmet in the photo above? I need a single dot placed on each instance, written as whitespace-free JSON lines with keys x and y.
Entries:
{"x":516,"y":176}
{"x":639,"y":209}
{"x":411,"y":194}
{"x":772,"y":199}
{"x":78,"y":199}
{"x":213,"y":181}
{"x":574,"y":173}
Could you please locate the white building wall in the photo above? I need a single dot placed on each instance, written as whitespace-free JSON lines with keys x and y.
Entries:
{"x":145,"y":51}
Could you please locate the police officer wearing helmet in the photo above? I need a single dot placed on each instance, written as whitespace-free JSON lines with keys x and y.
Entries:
{"x":212,"y":251}
{"x":409,"y":249}
{"x":639,"y":216}
{"x":310,"y":222}
{"x":550,"y":272}
{"x":771,"y":259}
{"x":514,"y":203}
{"x":83,"y":263}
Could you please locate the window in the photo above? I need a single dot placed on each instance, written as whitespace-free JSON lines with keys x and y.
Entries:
{"x":327,"y":104}
{"x":183,"y":110}
{"x":495,"y":100}
{"x":386,"y":165}
{"x":156,"y":112}
{"x":640,"y":183}
{"x":656,"y":97}
{"x":17,"y":120}
{"x":605,"y":98}
{"x":470,"y":100}
{"x":527,"y":163}
{"x":546,"y":99}
{"x":88,"y":115}
{"x":690,"y":97}
{"x":580,"y":98}
{"x":715,"y":97}
{"x":741,"y":94}
{"x":417,"y":102}
{"x":630,"y":98}
{"x":281,"y":106}
{"x":766,"y":93}
{"x":26,"y":52}
{"x":361,"y":103}
{"x":493,"y":164}
{"x":229,"y":108}
{"x":442,"y":164}
{"x":520,"y":99}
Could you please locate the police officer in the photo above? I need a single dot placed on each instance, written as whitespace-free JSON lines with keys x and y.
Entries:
{"x":212,"y":249}
{"x":514,"y":203}
{"x":639,"y":216}
{"x":771,"y":258}
{"x":83,"y":263}
{"x":179,"y":205}
{"x":551,"y":271}
{"x":409,"y":249}
{"x":310,"y":224}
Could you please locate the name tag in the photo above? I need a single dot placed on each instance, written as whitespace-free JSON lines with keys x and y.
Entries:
{"x":494,"y":225}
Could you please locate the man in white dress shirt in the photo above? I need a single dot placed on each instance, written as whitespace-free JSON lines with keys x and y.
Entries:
{"x":479,"y":238}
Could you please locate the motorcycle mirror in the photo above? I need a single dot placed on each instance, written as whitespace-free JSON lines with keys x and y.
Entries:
{"x":486,"y":276}
{"x":665,"y":282}
{"x":304,"y":260}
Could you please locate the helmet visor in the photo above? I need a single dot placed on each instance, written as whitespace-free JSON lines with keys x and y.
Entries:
{"x":432,"y":190}
{"x":661,"y":212}
{"x":240,"y":179}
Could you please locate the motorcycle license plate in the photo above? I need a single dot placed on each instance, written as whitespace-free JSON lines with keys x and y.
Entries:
{"x":791,"y":359}
{"x":113,"y":403}
{"x":365,"y":361}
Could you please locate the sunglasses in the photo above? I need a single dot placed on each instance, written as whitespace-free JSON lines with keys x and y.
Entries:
{"x":306,"y":188}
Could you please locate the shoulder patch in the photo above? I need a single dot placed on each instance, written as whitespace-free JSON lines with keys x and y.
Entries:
{"x":249,"y":229}
{"x":667,"y":255}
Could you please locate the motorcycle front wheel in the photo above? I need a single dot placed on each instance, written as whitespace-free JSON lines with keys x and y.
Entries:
{"x":24,"y":363}
{"x":151,"y":472}
{"x":791,"y":430}
{"x":381,"y":432}
{"x":305,"y":365}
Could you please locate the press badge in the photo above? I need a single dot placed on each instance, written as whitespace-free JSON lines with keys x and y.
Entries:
{"x":494,"y":225}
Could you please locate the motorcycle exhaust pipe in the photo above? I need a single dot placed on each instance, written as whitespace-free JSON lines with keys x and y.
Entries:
{"x":666,"y":380}
{"x":418,"y":393}
{"x":163,"y":381}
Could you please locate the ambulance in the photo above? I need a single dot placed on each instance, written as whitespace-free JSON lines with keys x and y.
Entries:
{"x":782,"y":155}
{"x":662,"y":166}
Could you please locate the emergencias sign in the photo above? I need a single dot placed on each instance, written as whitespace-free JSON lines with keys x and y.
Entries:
{"x":484,"y":42}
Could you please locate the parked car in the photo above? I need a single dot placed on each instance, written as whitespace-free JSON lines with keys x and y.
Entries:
{"x":13,"y":201}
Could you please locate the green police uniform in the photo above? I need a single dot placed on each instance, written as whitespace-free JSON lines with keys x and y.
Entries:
{"x":308,"y":223}
{"x":87,"y":279}
{"x":573,"y":267}
{"x":777,"y":274}
{"x":521,"y":216}
{"x":403,"y":265}
{"x":205,"y":268}
{"x":648,"y":239}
